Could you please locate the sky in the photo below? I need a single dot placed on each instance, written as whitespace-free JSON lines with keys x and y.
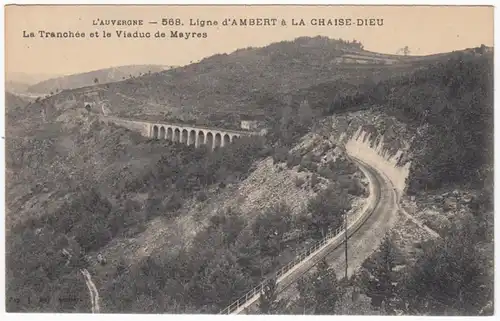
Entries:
{"x":424,"y":29}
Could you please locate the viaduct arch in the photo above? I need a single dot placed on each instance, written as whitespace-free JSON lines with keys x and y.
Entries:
{"x":197,"y":136}
{"x":181,"y":133}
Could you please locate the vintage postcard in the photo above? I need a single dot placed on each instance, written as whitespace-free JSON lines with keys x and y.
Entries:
{"x":263,"y":159}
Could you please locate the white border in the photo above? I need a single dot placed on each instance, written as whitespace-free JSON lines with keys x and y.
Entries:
{"x":264,"y":2}
{"x":123,"y":317}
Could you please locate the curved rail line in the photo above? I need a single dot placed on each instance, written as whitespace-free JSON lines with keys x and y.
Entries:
{"x":307,"y":259}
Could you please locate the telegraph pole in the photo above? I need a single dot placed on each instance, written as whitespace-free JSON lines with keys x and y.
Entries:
{"x":345,"y":232}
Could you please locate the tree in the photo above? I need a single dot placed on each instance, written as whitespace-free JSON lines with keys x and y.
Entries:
{"x":452,"y":277}
{"x":306,"y":295}
{"x":320,"y":292}
{"x":381,"y":288}
{"x":268,"y":300}
{"x":230,"y":224}
{"x":271,"y":227}
{"x":355,"y":303}
{"x":305,"y":114}
{"x":286,"y":125}
{"x":96,"y":81}
{"x":327,"y":209}
{"x":327,"y":291}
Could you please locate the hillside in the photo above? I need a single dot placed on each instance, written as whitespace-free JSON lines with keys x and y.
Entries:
{"x":19,"y":82}
{"x":187,"y":230}
{"x":13,"y":102}
{"x":107,"y":187}
{"x":102,"y":76}
{"x":248,"y":81}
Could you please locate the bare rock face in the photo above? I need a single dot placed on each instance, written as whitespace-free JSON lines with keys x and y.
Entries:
{"x":360,"y":146}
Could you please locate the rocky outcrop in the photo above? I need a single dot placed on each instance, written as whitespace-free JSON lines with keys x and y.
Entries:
{"x":373,"y":151}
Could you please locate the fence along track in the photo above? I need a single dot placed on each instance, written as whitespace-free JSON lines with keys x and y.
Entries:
{"x":333,"y":238}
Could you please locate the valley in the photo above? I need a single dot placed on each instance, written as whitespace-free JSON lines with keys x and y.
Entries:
{"x":162,"y":221}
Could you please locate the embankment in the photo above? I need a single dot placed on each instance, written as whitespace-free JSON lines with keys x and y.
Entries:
{"x":137,"y":126}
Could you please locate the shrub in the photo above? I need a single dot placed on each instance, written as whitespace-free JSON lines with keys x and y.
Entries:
{"x":174,"y":202}
{"x":280,"y":155}
{"x":293,"y":159}
{"x":327,"y":209}
{"x":201,"y":196}
{"x":314,"y":180}
{"x":305,"y":163}
{"x":355,"y":188}
{"x":344,"y":182}
{"x":316,"y":158}
{"x":264,"y":152}
{"x":299,"y":181}
{"x":326,"y":172}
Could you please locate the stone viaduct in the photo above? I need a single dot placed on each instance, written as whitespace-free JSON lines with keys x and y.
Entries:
{"x":181,"y":133}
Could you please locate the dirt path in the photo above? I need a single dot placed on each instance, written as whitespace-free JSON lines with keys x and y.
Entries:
{"x":94,"y":295}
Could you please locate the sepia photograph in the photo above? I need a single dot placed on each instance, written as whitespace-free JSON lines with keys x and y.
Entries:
{"x":249,"y":159}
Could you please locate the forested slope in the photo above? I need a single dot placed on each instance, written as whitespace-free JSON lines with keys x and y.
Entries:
{"x":450,"y":106}
{"x":74,"y":183}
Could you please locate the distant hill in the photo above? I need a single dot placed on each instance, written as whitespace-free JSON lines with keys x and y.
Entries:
{"x":250,"y":81}
{"x":19,"y":82}
{"x":27,"y":78}
{"x":14,"y":102}
{"x":17,"y":87}
{"x":89,"y":78}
